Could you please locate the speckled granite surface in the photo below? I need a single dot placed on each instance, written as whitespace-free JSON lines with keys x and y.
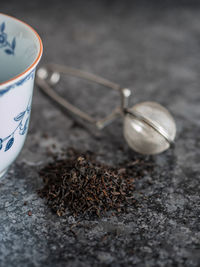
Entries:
{"x":153,"y":49}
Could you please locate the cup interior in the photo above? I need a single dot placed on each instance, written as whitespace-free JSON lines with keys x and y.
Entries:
{"x":19,"y":47}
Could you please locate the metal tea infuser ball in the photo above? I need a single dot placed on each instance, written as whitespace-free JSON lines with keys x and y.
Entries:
{"x":148,"y":128}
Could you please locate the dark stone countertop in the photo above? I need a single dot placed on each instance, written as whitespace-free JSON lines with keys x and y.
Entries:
{"x":153,"y":49}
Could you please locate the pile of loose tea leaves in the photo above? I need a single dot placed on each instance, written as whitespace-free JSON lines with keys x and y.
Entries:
{"x":82,"y":185}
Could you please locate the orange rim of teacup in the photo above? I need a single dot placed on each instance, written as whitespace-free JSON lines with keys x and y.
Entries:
{"x":36,"y":60}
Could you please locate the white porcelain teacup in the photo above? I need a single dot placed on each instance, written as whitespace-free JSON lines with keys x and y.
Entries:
{"x":20,"y":51}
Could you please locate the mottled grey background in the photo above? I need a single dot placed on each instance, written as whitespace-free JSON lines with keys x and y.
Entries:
{"x":153,"y":47}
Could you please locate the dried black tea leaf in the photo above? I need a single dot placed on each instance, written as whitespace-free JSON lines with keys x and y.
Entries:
{"x":83,"y":185}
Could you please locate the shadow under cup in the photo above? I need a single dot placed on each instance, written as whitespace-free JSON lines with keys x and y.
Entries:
{"x":20,"y":52}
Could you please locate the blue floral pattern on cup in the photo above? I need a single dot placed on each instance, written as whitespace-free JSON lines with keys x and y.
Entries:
{"x":9,"y":47}
{"x":22,"y":119}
